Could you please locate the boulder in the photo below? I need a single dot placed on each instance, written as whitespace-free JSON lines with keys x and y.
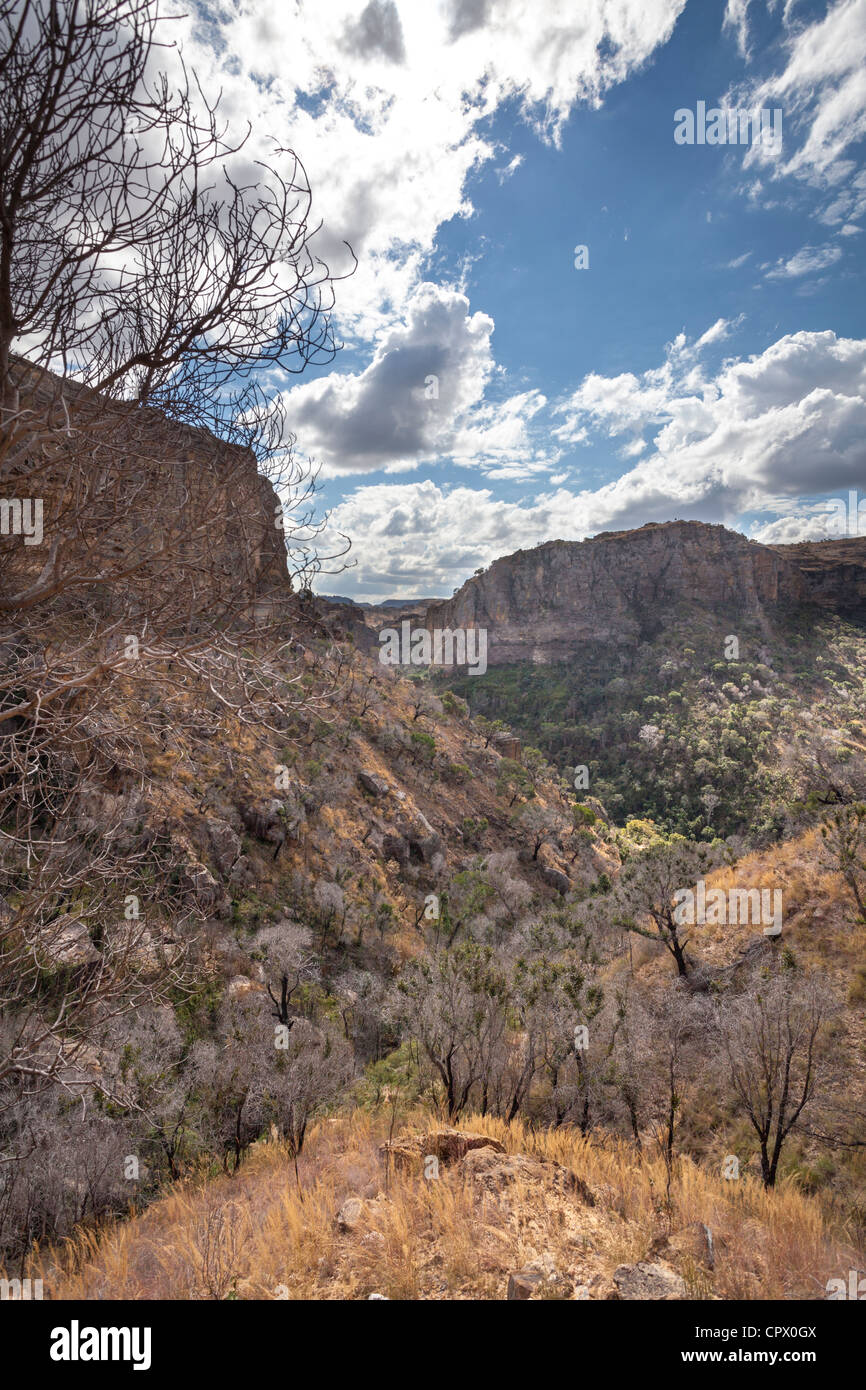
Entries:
{"x":556,"y":878}
{"x":243,"y":874}
{"x":522,"y":1285}
{"x":395,"y":847}
{"x":450,"y":1145}
{"x":376,"y":786}
{"x":200,"y":882}
{"x":694,"y":1241}
{"x":350,"y":1215}
{"x":446,"y":1144}
{"x":66,"y":941}
{"x":425,"y":847}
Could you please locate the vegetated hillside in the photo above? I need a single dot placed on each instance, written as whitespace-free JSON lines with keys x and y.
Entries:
{"x":715,"y":725}
{"x":391,"y":805}
{"x":258,"y":887}
{"x":544,"y":1211}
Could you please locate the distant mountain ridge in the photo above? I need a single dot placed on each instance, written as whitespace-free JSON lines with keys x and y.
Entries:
{"x":539,"y":605}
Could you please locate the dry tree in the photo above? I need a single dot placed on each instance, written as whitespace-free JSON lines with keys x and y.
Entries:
{"x":154,"y":283}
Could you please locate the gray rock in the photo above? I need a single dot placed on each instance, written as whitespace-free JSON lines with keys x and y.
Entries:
{"x":395,"y":847}
{"x":225,"y":843}
{"x":522,"y":1285}
{"x":558,"y":880}
{"x":376,"y":786}
{"x":643,"y":1281}
{"x":349,"y":1216}
{"x":67,"y":942}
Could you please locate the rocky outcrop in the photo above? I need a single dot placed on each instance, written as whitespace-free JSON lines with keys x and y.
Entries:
{"x":181,"y":519}
{"x":446,"y":1145}
{"x":495,"y":1171}
{"x":644,"y":1281}
{"x":539,"y":605}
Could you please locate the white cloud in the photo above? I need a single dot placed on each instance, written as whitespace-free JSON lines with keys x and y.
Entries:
{"x":758,"y":435}
{"x":789,"y":421}
{"x":805,"y":262}
{"x":821,"y":89}
{"x":736,"y":18}
{"x":421,"y":540}
{"x":385,"y":104}
{"x":420,"y":399}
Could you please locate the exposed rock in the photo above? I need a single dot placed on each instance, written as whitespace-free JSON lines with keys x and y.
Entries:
{"x":496,"y":1171}
{"x":508,"y":746}
{"x":350,"y":1215}
{"x":66,"y":941}
{"x":541,"y":605}
{"x":696,"y":1241}
{"x":225,"y":843}
{"x":446,"y":1144}
{"x":649,"y":1281}
{"x":243,"y":874}
{"x":197,"y":879}
{"x":241,"y":985}
{"x":395,"y":847}
{"x":556,"y":878}
{"x":450,"y":1145}
{"x":522,"y":1285}
{"x":274,"y":821}
{"x":425,"y":847}
{"x":376,"y":786}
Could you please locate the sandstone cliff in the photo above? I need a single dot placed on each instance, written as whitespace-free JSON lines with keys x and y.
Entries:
{"x":539,"y":605}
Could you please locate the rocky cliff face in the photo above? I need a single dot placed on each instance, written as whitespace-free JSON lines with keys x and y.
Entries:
{"x":539,"y":604}
{"x":154,"y":507}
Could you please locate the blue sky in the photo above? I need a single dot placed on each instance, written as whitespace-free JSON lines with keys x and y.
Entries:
{"x":710,"y":362}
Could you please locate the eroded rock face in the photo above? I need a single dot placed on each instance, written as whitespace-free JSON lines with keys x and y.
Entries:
{"x":539,"y":605}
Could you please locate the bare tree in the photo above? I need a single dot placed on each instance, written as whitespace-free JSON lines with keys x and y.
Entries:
{"x":149,"y":275}
{"x":770,"y":1037}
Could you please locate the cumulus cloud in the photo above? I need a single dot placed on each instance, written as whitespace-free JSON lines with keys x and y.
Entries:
{"x":387,"y":107}
{"x":422,"y":540}
{"x":420,"y":399}
{"x":378,"y":33}
{"x":788,"y":421}
{"x":766,"y":434}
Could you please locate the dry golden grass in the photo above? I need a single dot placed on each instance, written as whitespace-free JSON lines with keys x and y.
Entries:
{"x":264,"y":1234}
